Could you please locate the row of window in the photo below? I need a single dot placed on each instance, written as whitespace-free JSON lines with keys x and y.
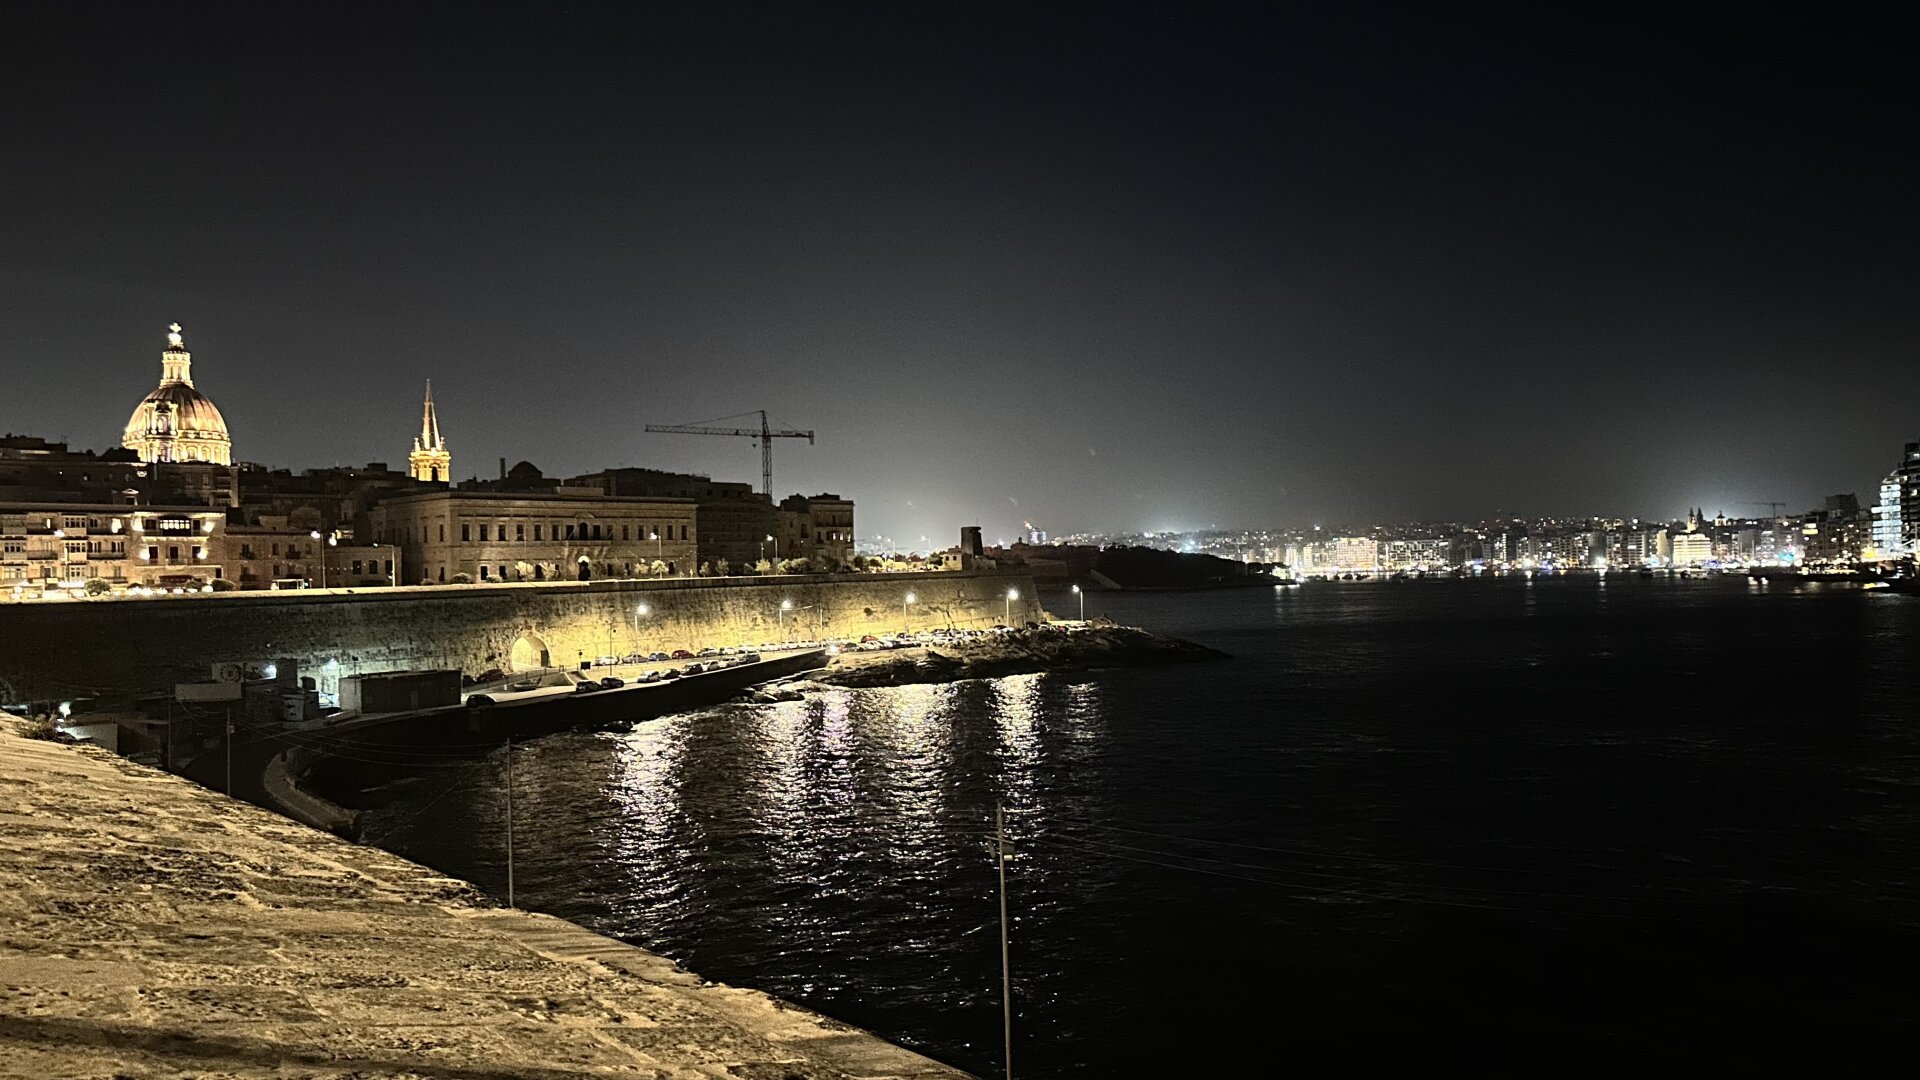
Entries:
{"x":583,"y":531}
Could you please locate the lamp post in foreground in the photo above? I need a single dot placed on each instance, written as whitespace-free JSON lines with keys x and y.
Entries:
{"x":1012,"y":595}
{"x":1083,"y":602}
{"x":905,"y":621}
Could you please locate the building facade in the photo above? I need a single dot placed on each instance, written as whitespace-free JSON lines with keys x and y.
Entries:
{"x":735,"y":521}
{"x":818,"y":528}
{"x":560,"y":533}
{"x":67,"y":546}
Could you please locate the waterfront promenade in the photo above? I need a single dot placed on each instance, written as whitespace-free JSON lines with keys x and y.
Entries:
{"x":152,"y":928}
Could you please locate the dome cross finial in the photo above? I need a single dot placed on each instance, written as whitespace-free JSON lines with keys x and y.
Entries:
{"x":173,"y":335}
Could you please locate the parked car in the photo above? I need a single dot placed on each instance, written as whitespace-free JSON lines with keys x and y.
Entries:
{"x":750,"y":658}
{"x":656,"y":657}
{"x":651,"y":676}
{"x":708,"y":651}
{"x":585,"y":686}
{"x":479,"y":701}
{"x":681,"y":654}
{"x":672,"y":673}
{"x":523,"y":686}
{"x":612,"y":682}
{"x":695,"y":669}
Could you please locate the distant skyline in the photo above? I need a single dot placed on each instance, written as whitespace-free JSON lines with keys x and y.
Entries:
{"x":1106,"y":269}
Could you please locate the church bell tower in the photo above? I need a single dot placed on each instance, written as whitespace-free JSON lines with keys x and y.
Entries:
{"x":430,"y":460}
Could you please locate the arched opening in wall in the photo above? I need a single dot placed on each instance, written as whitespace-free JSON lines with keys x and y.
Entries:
{"x":586,"y":569}
{"x":529,"y":651}
{"x":539,"y":571}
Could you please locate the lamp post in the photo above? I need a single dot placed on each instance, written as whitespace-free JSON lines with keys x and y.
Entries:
{"x":1083,"y":602}
{"x":1012,"y":595}
{"x":321,"y":550}
{"x":776,"y":551}
{"x":785,"y":606}
{"x":905,"y":621}
{"x":656,"y":544}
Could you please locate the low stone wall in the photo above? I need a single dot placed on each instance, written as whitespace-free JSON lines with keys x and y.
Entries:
{"x":50,"y":650}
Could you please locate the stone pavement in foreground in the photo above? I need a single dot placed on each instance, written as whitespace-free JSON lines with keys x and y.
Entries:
{"x":151,"y":928}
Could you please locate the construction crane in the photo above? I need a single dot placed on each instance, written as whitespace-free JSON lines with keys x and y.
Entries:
{"x":1773,"y":508}
{"x":764,"y":434}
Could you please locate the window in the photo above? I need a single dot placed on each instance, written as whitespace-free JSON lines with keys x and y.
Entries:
{"x":173,"y":553}
{"x":389,"y":567}
{"x":276,"y":549}
{"x":356,"y":567}
{"x":536,"y":533}
{"x":596,"y":531}
{"x":466,"y":533}
{"x":500,"y":533}
{"x":519,"y":531}
{"x":569,"y":532}
{"x":443,"y":539}
{"x":483,"y":571}
{"x":503,"y":573}
{"x":623,"y":533}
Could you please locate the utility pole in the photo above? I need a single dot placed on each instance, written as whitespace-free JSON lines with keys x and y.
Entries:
{"x":510,"y":823}
{"x":1006,"y":971}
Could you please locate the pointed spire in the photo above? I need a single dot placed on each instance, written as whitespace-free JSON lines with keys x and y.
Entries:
{"x":429,"y":423}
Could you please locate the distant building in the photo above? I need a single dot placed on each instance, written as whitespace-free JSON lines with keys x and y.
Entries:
{"x":1691,"y":549}
{"x":970,"y":542}
{"x":67,"y":545}
{"x":1896,"y":517}
{"x":816,"y":527}
{"x":554,"y":532}
{"x":430,"y":461}
{"x":735,"y":520}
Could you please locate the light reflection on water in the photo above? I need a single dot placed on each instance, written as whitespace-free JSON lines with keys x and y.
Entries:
{"x":1442,"y":799}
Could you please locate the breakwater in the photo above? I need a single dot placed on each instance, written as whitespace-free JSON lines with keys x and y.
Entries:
{"x":129,"y":645}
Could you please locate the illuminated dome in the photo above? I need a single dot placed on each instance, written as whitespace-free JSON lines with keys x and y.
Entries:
{"x":177,"y":422}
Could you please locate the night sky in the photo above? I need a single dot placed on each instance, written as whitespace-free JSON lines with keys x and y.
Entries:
{"x":1100,"y":267}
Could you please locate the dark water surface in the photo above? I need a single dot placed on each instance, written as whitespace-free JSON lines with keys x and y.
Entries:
{"x":1560,"y":825}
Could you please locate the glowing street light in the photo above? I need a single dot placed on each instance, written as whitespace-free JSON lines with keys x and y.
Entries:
{"x":1012,"y":595}
{"x":785,"y":606}
{"x":655,"y":537}
{"x":1083,"y":602}
{"x":322,"y":549}
{"x":904,"y":601}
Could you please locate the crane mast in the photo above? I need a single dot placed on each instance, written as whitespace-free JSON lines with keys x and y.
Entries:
{"x":764,"y":433}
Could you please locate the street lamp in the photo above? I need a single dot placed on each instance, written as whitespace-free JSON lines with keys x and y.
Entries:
{"x":1012,"y":595}
{"x":785,"y":606}
{"x":1083,"y":602}
{"x":908,"y":599}
{"x":656,"y":544}
{"x":321,"y":550}
{"x":776,"y":550}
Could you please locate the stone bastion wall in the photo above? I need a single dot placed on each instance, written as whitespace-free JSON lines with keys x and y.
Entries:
{"x":50,"y":650}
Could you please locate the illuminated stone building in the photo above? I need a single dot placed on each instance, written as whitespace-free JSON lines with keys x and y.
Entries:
{"x":553,"y":533}
{"x":176,"y":422}
{"x":735,"y":520}
{"x":816,"y":527}
{"x":430,"y":460}
{"x":67,"y":545}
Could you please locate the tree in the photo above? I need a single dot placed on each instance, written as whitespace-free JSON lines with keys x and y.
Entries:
{"x":658,"y":569}
{"x":723,"y":568}
{"x":96,"y":587}
{"x":463,"y":579}
{"x":763,"y":567}
{"x":706,"y":569}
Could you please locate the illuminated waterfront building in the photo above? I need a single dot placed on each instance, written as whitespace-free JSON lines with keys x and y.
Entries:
{"x":176,"y":422}
{"x":528,"y":529}
{"x":1691,"y":549}
{"x":430,"y":461}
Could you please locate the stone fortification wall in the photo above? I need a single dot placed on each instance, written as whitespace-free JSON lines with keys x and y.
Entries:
{"x":65,"y":649}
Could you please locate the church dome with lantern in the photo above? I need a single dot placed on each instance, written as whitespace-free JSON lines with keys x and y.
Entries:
{"x":177,"y":422}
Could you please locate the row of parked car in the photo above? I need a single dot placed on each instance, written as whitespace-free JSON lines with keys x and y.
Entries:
{"x":718,"y":663}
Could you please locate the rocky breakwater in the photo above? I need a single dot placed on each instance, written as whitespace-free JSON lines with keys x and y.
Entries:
{"x":1017,"y":652}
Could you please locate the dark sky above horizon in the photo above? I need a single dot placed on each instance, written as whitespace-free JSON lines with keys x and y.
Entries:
{"x":1101,"y":268}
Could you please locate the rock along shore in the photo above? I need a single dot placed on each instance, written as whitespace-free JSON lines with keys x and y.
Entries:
{"x":1018,"y":652}
{"x":152,"y":928}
